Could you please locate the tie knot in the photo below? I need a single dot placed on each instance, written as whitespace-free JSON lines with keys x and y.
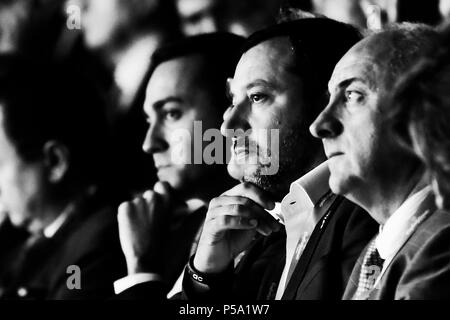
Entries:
{"x":372,"y":257}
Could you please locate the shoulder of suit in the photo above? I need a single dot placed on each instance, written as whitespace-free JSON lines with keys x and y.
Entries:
{"x":432,"y":232}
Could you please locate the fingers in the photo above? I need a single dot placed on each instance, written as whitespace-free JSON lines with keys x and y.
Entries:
{"x":245,"y":207}
{"x":163,"y":189}
{"x":226,"y":218}
{"x":252,"y":192}
{"x":241,"y":213}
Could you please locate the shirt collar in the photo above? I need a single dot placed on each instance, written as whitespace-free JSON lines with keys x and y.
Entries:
{"x":401,"y":224}
{"x":53,"y":228}
{"x":305,"y":193}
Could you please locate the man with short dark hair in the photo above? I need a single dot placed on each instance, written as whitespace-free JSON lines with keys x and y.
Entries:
{"x":278,"y":87}
{"x":408,"y":259}
{"x":185,"y":101}
{"x":53,"y":180}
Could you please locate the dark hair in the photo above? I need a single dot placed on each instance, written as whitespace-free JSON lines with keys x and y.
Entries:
{"x":43,"y":101}
{"x":220,"y":52}
{"x":317,"y":45}
{"x":420,"y":106}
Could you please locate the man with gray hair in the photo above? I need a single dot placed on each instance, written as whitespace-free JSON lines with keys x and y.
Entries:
{"x":409,"y":258}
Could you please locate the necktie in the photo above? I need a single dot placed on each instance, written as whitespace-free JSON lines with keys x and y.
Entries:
{"x":370,"y":270}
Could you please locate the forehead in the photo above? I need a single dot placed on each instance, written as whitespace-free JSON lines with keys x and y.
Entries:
{"x":270,"y":60}
{"x":363,"y":62}
{"x":176,"y":77}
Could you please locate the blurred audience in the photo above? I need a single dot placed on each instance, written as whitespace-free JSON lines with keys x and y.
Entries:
{"x":373,"y":14}
{"x":54,"y":183}
{"x":13,"y":15}
{"x":444,"y":8}
{"x":239,"y":17}
{"x":124,"y":34}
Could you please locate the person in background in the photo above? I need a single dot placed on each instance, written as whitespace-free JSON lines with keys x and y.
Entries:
{"x":124,"y":34}
{"x":239,"y":17}
{"x":54,"y":182}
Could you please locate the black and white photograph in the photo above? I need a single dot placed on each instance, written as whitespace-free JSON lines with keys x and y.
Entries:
{"x":217,"y":156}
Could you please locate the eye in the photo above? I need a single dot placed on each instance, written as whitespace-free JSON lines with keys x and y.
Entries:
{"x":353,"y":96}
{"x":258,"y":98}
{"x":172,"y":115}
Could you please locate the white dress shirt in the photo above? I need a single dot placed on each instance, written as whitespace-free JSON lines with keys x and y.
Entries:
{"x":400,"y":225}
{"x":299,"y":217}
{"x":138,"y":278}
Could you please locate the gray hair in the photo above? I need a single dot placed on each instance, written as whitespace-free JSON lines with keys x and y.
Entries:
{"x":408,"y":42}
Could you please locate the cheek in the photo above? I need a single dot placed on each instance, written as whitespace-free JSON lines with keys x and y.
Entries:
{"x":19,"y":190}
{"x":362,"y":140}
{"x":182,"y":139}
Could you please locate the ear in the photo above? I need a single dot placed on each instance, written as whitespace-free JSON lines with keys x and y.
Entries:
{"x":56,"y":159}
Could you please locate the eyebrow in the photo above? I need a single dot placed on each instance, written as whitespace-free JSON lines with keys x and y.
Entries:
{"x":345,"y":83}
{"x":159,"y":104}
{"x":255,"y":83}
{"x":260,"y":82}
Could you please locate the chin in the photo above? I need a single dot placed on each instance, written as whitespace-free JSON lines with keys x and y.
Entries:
{"x":236,"y":171}
{"x":336,"y":185}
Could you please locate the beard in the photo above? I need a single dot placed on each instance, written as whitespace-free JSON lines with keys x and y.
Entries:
{"x":295,"y":158}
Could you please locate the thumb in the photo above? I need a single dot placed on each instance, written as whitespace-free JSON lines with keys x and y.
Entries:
{"x":163,"y":189}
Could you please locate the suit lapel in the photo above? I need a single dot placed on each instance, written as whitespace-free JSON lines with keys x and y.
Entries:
{"x":352,"y":284}
{"x":305,"y":260}
{"x":422,"y":213}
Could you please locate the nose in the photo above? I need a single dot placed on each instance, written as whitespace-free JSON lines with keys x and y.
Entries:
{"x":235,"y":117}
{"x":327,"y":124}
{"x":154,"y":140}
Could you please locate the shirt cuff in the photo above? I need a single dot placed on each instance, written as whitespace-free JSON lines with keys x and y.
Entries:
{"x":134,"y":279}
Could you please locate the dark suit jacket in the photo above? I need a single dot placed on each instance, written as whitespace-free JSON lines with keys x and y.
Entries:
{"x":421,"y":268}
{"x":11,"y":238}
{"x":88,"y":239}
{"x":321,"y":273}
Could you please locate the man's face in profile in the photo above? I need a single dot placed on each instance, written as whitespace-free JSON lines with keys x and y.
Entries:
{"x":176,"y":97}
{"x":266,"y":96}
{"x":352,"y":127}
{"x":22,"y":185}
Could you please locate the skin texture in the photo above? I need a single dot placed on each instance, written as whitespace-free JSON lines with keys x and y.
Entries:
{"x":176,"y":97}
{"x":265,"y":95}
{"x":366,"y":165}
